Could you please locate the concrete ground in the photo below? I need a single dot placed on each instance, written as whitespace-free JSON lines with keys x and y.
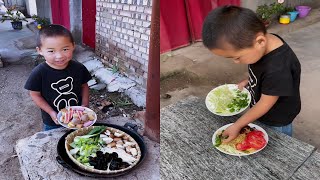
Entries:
{"x":193,"y":70}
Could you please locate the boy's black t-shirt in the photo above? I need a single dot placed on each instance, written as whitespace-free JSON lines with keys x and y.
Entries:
{"x":60,"y":88}
{"x":277,"y":74}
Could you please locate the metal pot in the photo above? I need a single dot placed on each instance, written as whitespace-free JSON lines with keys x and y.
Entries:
{"x":66,"y":162}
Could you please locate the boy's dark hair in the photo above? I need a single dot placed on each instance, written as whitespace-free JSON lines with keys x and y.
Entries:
{"x":235,"y":25}
{"x":53,"y":30}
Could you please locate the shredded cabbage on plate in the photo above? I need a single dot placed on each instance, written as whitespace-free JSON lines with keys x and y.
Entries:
{"x":224,"y":100}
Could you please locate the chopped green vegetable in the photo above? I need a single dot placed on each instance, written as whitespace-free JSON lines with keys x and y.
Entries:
{"x":218,"y":139}
{"x":225,"y":100}
{"x":87,"y":145}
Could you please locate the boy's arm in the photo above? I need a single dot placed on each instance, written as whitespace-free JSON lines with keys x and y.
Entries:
{"x":243,"y":83}
{"x":259,"y":109}
{"x":85,"y":95}
{"x":42,"y":103}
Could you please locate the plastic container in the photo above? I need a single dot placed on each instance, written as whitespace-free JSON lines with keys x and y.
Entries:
{"x":293,"y":15}
{"x":284,"y":19}
{"x":303,"y":10}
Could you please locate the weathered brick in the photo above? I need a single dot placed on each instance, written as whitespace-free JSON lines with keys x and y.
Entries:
{"x":125,"y":13}
{"x":126,"y":7}
{"x":124,"y":30}
{"x":129,"y":44}
{"x":138,"y":23}
{"x":131,"y":21}
{"x":135,"y":64}
{"x":142,"y":49}
{"x":133,"y":69}
{"x":140,"y":72}
{"x":144,"y":37}
{"x":137,"y":34}
{"x":130,"y":33}
{"x":143,"y":17}
{"x":147,"y":10}
{"x":146,"y":24}
{"x":125,"y":19}
{"x":135,"y":46}
{"x":145,"y":56}
{"x":120,"y":6}
{"x":137,"y":53}
{"x":133,"y":8}
{"x":148,"y":32}
{"x":145,"y":75}
{"x":131,"y":39}
{"x":140,"y":9}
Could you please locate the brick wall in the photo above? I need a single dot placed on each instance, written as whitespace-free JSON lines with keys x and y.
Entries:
{"x":122,"y":36}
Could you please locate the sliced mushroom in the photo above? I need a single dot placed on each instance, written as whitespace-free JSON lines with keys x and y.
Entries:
{"x":120,"y":142}
{"x":128,"y":149}
{"x":120,"y":146}
{"x":112,"y":144}
{"x":134,"y":151}
{"x":117,"y":134}
{"x":117,"y":139}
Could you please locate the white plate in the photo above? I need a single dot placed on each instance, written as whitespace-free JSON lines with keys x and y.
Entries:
{"x":75,"y":108}
{"x":211,"y":107}
{"x":240,"y":153}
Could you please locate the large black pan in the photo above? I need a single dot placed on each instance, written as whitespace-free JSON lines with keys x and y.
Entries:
{"x":66,"y":162}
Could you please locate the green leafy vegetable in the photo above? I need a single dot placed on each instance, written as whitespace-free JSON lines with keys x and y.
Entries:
{"x":87,"y":145}
{"x":225,"y":100}
{"x":218,"y":139}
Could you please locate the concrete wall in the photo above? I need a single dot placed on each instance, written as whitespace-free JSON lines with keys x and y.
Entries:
{"x":75,"y":9}
{"x":252,"y":4}
{"x":122,"y":36}
{"x":20,"y":3}
{"x":31,"y":7}
{"x":44,"y":9}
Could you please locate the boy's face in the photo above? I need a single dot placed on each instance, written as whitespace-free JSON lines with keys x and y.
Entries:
{"x":244,"y":56}
{"x":57,"y":51}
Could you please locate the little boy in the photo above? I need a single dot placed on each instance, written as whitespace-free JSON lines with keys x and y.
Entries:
{"x":274,"y":70}
{"x":58,"y":82}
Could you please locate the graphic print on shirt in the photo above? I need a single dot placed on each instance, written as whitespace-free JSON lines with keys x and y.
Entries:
{"x":66,"y":97}
{"x":252,"y":83}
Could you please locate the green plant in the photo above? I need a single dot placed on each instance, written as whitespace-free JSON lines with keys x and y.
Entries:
{"x":13,"y":15}
{"x":267,"y":12}
{"x":278,"y":8}
{"x":39,"y":20}
{"x":264,"y":12}
{"x":115,"y":68}
{"x":289,"y":9}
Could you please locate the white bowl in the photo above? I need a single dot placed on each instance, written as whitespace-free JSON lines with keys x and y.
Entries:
{"x":211,"y":107}
{"x":75,"y":108}
{"x":266,"y":137}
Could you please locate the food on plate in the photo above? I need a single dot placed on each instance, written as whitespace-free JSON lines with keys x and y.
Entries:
{"x":225,"y":100}
{"x":77,"y":117}
{"x":249,"y":140}
{"x":105,"y":148}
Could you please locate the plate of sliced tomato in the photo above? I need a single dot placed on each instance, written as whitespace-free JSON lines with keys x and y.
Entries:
{"x":251,"y":139}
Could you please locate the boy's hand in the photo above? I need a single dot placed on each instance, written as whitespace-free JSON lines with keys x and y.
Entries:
{"x":53,"y":116}
{"x":231,"y":132}
{"x":242,"y":84}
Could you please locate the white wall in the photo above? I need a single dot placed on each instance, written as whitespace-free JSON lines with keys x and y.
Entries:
{"x":31,"y":7}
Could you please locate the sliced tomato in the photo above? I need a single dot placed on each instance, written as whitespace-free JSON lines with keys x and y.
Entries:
{"x":258,"y":133}
{"x":255,"y":140}
{"x":242,"y":146}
